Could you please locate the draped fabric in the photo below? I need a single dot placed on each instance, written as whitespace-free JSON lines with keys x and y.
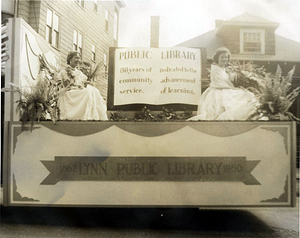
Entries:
{"x":77,"y":102}
{"x":222,"y":101}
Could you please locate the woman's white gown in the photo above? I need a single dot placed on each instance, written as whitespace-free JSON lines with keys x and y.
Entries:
{"x":222,"y":101}
{"x":79,"y":102}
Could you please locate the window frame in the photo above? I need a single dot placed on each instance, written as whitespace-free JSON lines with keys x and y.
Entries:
{"x":52,"y":30}
{"x":116,"y":25}
{"x":80,"y":3}
{"x":96,"y":5}
{"x":94,"y":52}
{"x":262,"y":40}
{"x":106,"y":17}
{"x":78,"y":48}
{"x":105,"y":61}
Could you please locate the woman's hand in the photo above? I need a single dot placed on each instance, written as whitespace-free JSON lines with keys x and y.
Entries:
{"x":85,"y":83}
{"x":232,"y":76}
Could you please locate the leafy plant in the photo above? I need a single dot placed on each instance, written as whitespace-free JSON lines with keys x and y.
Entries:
{"x":170,"y":115}
{"x":248,"y":76}
{"x":205,"y":82}
{"x":40,"y":98}
{"x":277,"y":96}
{"x":117,"y":116}
{"x":143,"y":115}
{"x":165,"y":115}
{"x":95,"y":76}
{"x":273,"y":91}
{"x":186,"y":114}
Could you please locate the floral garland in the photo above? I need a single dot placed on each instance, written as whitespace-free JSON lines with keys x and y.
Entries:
{"x":146,"y":115}
{"x":71,"y":75}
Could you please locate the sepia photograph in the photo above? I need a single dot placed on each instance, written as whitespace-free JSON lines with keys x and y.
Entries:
{"x":158,"y":118}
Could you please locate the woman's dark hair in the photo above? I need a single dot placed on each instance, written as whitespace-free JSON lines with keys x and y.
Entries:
{"x":220,"y":51}
{"x":71,"y":55}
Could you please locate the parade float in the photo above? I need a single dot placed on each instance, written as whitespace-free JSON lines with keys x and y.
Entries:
{"x":147,"y":154}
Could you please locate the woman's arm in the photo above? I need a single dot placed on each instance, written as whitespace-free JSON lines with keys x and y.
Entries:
{"x":63,"y":78}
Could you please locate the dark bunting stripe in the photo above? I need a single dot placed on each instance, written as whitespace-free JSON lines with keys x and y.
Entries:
{"x":149,"y":129}
{"x":158,"y":168}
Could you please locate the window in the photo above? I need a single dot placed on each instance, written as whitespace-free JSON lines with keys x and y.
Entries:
{"x":115,"y":25}
{"x":93,"y":52}
{"x":77,"y":41}
{"x":95,"y":5}
{"x":80,"y":2}
{"x":252,"y":41}
{"x":106,"y":20}
{"x":52,"y":25}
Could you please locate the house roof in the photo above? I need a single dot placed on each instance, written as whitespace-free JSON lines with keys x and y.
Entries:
{"x":209,"y":40}
{"x":248,"y":20}
{"x":121,"y":3}
{"x":286,"y":50}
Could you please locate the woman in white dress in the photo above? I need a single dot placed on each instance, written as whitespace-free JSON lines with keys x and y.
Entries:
{"x":78,"y":100}
{"x":222,"y":101}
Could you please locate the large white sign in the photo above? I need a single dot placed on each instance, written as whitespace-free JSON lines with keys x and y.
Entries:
{"x":157,"y":76}
{"x":152,"y":164}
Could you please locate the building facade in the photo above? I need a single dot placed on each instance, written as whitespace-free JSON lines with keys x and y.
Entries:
{"x":89,"y":27}
{"x":253,"y":39}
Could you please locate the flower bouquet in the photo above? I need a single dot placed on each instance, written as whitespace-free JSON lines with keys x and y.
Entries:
{"x":247,"y":76}
{"x":39,"y":99}
{"x":95,"y":76}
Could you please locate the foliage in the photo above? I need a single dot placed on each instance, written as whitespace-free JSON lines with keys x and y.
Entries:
{"x":273,"y":91}
{"x":165,"y":115}
{"x":248,"y":76}
{"x":99,"y":71}
{"x":40,"y":98}
{"x":170,"y":115}
{"x":143,"y":115}
{"x":95,"y":76}
{"x":117,"y":116}
{"x":186,"y":114}
{"x":205,"y":82}
{"x":277,"y":96}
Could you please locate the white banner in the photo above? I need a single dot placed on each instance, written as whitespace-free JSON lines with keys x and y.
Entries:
{"x":157,"y":76}
{"x":152,"y":164}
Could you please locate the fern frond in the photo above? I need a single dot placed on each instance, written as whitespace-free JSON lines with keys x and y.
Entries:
{"x":97,"y":71}
{"x":290,"y":74}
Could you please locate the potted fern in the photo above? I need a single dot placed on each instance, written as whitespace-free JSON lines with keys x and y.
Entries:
{"x":38,"y":101}
{"x":277,"y":96}
{"x":273,"y":91}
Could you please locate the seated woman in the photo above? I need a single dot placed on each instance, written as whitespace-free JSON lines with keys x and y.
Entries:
{"x":222,"y":101}
{"x":79,"y":100}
